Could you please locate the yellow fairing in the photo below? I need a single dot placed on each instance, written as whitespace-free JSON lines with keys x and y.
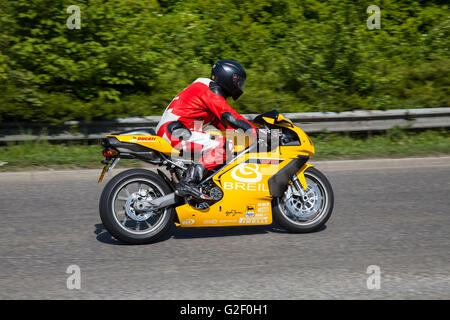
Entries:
{"x":153,"y":142}
{"x":246,"y":197}
{"x":306,"y":147}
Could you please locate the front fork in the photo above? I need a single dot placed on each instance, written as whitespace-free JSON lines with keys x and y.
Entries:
{"x":298,"y":186}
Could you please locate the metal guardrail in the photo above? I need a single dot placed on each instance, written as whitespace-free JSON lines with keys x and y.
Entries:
{"x":310,"y":122}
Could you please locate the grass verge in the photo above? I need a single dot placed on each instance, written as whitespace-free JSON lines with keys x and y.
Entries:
{"x":393,"y":143}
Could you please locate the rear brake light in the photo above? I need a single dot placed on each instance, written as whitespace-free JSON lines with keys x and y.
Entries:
{"x":110,"y":153}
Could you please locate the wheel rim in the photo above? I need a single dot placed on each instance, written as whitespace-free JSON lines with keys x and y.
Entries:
{"x":311,"y":209}
{"x":125,"y":206}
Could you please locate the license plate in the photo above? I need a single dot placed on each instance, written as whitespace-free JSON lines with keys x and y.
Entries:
{"x":105,"y":169}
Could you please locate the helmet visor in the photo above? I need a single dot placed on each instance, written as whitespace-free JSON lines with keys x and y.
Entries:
{"x":239,"y":82}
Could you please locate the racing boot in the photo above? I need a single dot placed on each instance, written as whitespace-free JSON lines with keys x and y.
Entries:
{"x":188,"y":184}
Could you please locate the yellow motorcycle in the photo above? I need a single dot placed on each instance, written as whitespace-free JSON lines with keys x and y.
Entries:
{"x":268,"y":178}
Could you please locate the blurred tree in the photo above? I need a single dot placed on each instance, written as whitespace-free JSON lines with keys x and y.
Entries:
{"x":131,"y":57}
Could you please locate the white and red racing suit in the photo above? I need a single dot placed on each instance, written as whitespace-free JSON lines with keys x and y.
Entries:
{"x":195,"y":107}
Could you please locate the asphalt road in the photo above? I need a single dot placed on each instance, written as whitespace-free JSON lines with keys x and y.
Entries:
{"x":391,"y":214}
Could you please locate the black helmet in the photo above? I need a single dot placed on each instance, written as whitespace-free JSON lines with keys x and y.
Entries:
{"x":230,"y":76}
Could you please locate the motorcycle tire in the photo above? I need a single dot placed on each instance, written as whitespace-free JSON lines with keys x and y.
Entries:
{"x":297,"y":224}
{"x":107,"y":211}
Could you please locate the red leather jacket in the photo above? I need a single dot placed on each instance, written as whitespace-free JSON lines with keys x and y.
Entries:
{"x":199,"y":102}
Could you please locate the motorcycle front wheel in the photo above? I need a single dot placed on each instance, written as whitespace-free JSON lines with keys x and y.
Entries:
{"x":122,"y":208}
{"x":307,"y":213}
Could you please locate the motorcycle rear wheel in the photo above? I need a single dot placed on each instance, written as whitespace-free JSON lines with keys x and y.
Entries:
{"x":298,"y":215}
{"x":119,"y":212}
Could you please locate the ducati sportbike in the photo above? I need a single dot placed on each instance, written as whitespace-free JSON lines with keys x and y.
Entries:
{"x":254,"y":187}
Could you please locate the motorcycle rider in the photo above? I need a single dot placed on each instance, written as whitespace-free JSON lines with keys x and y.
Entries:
{"x":202,"y":103}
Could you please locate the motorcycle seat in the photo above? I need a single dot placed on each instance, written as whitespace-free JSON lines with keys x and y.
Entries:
{"x":143,"y":131}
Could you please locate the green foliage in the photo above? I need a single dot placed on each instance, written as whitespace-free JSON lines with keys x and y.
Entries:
{"x":131,"y":57}
{"x":391,"y":144}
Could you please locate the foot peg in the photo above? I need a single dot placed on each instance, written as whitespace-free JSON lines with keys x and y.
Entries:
{"x":187,"y":190}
